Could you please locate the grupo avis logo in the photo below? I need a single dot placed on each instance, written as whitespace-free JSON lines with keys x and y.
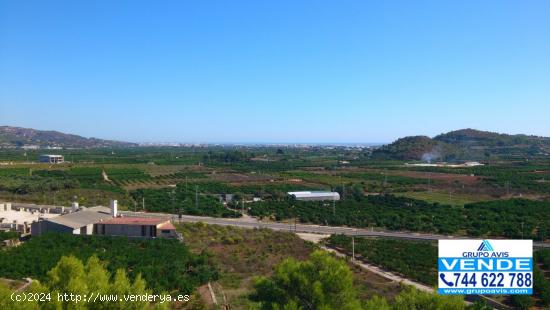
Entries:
{"x":485,"y":267}
{"x":485,"y":249}
{"x":485,"y":246}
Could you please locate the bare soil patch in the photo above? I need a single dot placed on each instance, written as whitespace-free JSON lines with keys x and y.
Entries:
{"x":240,"y":177}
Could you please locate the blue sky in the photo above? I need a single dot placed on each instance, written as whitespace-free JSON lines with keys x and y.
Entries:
{"x":274,"y":71}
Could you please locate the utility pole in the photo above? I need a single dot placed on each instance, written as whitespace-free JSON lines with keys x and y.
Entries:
{"x":521,"y":230}
{"x":295,"y":221}
{"x":197,"y":196}
{"x":333,"y":206}
{"x":143,"y":202}
{"x":173,"y":203}
{"x":353,"y":245}
{"x":343,"y":191}
{"x":290,"y":222}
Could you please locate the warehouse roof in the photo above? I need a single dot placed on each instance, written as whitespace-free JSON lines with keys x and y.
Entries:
{"x":82,"y":218}
{"x":305,"y":194}
{"x":134,"y":221}
{"x":315,"y":195}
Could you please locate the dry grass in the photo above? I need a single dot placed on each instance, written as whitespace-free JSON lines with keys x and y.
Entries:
{"x":243,"y":254}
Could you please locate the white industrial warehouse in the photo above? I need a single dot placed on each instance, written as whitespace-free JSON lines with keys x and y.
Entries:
{"x":315,"y":195}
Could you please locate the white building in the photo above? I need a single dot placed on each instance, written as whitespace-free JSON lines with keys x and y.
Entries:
{"x":315,"y":195}
{"x":51,"y":159}
{"x":20,"y":219}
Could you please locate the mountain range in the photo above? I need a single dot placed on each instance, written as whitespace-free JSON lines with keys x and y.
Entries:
{"x":12,"y":137}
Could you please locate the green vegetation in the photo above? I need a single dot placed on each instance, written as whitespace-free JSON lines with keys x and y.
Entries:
{"x":541,"y":283}
{"x":71,"y":276}
{"x":543,"y":257}
{"x":412,"y":298}
{"x":415,"y":260}
{"x":6,"y":235}
{"x":441,"y":198}
{"x":181,"y":270}
{"x":501,"y":218}
{"x":243,"y":254}
{"x":17,"y":136}
{"x":323,"y":282}
{"x":505,"y":178}
{"x":378,"y":190}
{"x":465,"y":144}
{"x":418,"y":261}
{"x":408,"y":148}
{"x":315,"y":167}
{"x":179,"y":199}
{"x":515,"y":218}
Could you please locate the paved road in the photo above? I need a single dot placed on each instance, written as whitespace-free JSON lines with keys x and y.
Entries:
{"x":305,"y":228}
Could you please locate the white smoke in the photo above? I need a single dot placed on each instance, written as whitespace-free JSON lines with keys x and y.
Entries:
{"x":433,"y":155}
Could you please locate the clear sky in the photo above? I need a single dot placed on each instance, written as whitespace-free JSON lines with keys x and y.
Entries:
{"x":274,"y":71}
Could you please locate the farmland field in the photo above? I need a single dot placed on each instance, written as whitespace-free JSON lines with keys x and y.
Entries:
{"x":192,"y":180}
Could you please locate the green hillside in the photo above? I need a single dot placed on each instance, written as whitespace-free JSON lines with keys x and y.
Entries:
{"x":464,"y":144}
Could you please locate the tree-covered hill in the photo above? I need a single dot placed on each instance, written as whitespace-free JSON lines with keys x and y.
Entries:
{"x":414,"y":148}
{"x":472,"y":137}
{"x":17,"y":137}
{"x":463,"y":144}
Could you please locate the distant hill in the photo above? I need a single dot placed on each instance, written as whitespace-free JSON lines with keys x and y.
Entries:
{"x":464,"y":144}
{"x":19,"y":137}
{"x":472,"y":137}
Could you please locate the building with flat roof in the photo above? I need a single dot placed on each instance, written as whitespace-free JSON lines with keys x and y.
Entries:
{"x":19,"y":219}
{"x":51,"y":159}
{"x":79,"y":222}
{"x":315,"y":195}
{"x":105,"y":221}
{"x":143,"y":227}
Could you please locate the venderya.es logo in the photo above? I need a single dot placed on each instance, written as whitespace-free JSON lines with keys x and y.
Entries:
{"x":485,"y":249}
